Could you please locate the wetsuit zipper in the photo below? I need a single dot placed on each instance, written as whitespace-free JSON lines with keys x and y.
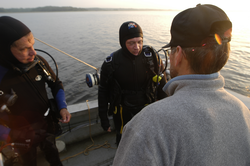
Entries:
{"x":135,"y":78}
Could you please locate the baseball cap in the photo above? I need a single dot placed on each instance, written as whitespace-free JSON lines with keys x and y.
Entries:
{"x":190,"y":27}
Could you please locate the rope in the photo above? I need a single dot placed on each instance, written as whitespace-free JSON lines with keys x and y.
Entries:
{"x":66,"y":53}
{"x":93,"y":146}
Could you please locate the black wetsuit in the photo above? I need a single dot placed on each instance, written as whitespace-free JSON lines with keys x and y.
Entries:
{"x":126,"y":83}
{"x":27,"y":113}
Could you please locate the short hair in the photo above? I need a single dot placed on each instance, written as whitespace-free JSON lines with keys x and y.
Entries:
{"x":207,"y":59}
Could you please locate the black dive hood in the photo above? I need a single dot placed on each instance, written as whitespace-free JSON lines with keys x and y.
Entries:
{"x":129,"y":30}
{"x":10,"y":31}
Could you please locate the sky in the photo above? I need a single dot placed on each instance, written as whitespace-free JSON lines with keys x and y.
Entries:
{"x":141,"y":4}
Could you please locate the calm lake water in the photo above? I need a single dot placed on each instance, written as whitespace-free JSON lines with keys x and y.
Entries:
{"x":92,"y":36}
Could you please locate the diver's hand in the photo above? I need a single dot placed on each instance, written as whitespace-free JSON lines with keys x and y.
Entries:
{"x":66,"y":116}
{"x":109,"y":129}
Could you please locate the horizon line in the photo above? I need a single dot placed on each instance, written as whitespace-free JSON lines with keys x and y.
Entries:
{"x":87,"y":8}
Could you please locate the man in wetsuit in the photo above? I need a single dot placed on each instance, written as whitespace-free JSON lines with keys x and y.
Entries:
{"x":21,"y":73}
{"x":126,"y":84}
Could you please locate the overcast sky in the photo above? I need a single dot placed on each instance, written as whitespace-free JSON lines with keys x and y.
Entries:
{"x":153,"y":4}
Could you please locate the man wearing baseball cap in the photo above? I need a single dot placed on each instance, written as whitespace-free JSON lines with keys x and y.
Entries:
{"x":199,"y":123}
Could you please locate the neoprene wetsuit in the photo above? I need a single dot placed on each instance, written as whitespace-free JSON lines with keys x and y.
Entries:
{"x":133,"y":79}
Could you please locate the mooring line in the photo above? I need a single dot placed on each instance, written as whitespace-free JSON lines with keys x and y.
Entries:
{"x":65,"y":53}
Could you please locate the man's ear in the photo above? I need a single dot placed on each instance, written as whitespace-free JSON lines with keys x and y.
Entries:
{"x":178,"y":56}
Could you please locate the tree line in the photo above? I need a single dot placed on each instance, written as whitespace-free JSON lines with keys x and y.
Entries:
{"x":64,"y":9}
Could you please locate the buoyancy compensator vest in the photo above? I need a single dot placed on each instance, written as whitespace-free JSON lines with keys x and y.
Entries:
{"x":152,"y":61}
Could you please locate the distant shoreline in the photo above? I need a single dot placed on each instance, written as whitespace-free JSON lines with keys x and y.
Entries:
{"x":71,"y":9}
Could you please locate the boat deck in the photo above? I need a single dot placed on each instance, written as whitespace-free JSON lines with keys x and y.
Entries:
{"x":77,"y":154}
{"x":84,"y":125}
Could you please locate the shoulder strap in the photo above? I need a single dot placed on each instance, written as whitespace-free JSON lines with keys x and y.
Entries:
{"x":152,"y":58}
{"x":45,"y":70}
{"x":112,"y":62}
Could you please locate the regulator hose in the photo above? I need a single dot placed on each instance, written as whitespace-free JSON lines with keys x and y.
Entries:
{"x":53,"y":61}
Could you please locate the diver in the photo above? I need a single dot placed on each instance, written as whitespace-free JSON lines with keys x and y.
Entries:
{"x":22,"y":75}
{"x":126,"y":84}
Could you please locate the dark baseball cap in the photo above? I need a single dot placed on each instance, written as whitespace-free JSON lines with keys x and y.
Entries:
{"x":190,"y":27}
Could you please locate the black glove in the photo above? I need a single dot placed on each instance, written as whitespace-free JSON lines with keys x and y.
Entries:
{"x":104,"y":120}
{"x":27,"y":136}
